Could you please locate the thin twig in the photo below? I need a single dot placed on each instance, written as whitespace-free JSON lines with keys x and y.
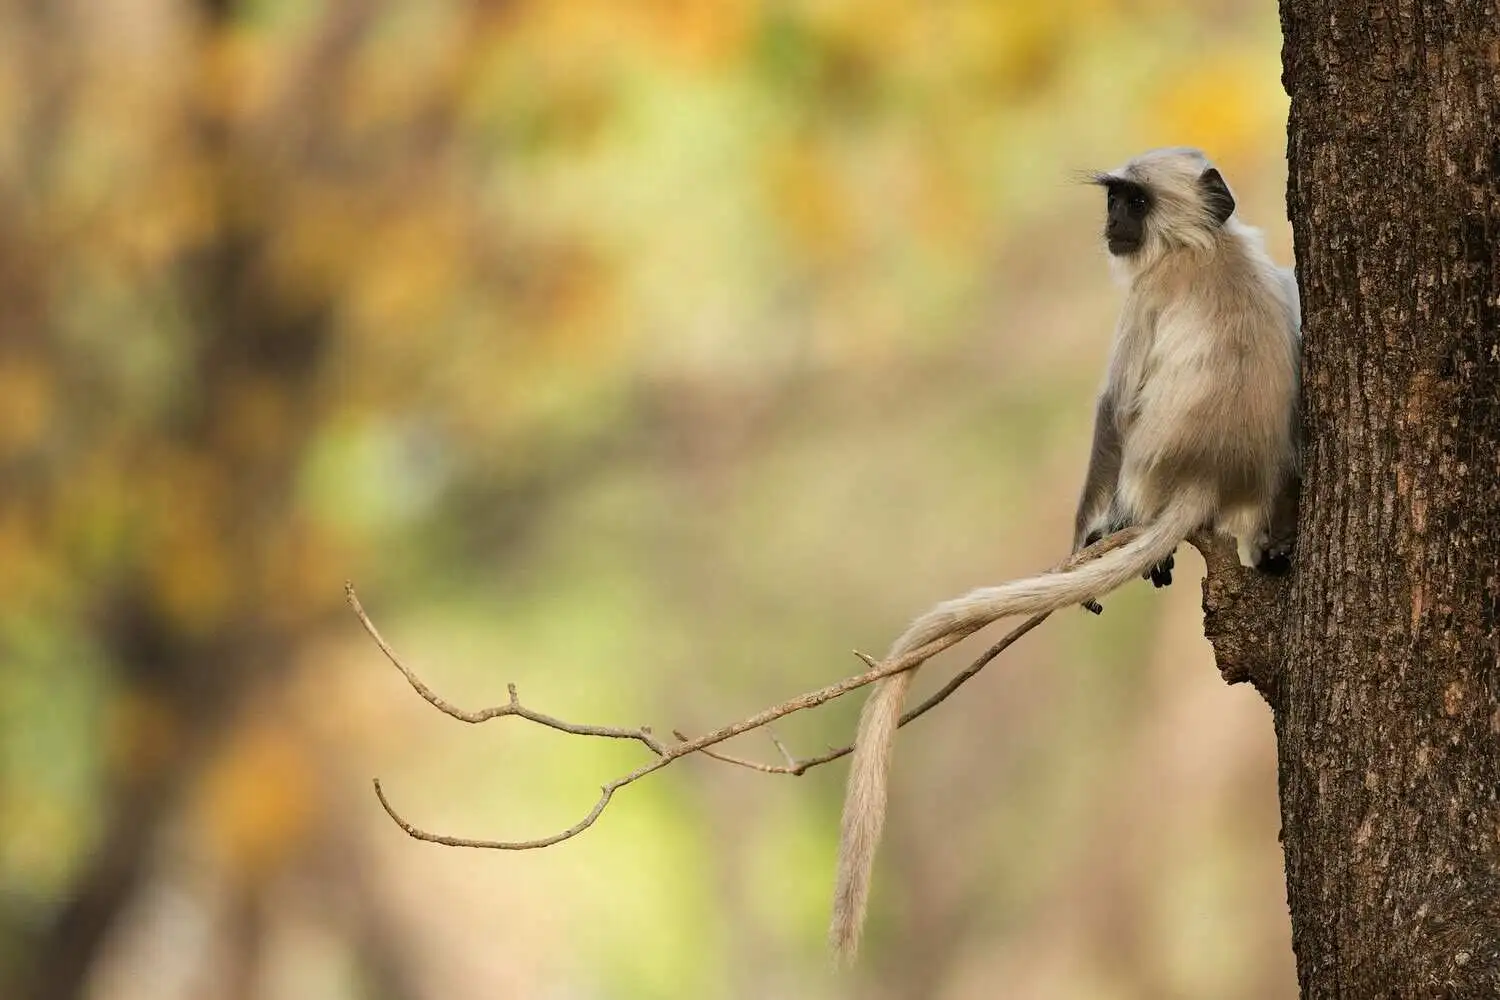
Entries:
{"x":666,"y":754}
{"x":798,"y":766}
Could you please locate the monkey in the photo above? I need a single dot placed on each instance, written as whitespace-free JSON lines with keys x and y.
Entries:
{"x":1126,"y":207}
{"x":1196,"y":426}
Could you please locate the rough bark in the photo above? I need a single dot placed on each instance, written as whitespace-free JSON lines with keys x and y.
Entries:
{"x":1386,"y":689}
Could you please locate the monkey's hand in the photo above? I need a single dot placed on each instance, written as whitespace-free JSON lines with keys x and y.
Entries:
{"x":1092,"y":606}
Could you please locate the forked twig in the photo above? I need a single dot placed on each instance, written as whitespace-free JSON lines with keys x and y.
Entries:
{"x":667,"y":753}
{"x":798,"y":766}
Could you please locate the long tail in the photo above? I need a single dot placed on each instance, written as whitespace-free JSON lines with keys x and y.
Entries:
{"x":864,"y":800}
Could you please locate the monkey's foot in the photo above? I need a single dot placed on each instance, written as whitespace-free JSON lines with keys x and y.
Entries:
{"x":1093,"y":606}
{"x":1160,"y":575}
{"x":1276,"y":559}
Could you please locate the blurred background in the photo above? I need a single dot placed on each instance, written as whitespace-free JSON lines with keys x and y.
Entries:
{"x":650,"y":355}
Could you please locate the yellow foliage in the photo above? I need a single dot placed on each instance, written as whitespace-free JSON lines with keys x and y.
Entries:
{"x":174,"y":207}
{"x":1226,"y":107}
{"x":406,"y":275}
{"x":191,"y":576}
{"x":256,"y":803}
{"x":324,"y":229}
{"x":236,"y":74}
{"x":25,"y":562}
{"x":296,"y":575}
{"x":45,"y":845}
{"x":1008,"y":49}
{"x":879,"y":24}
{"x":27,"y":395}
{"x":700,"y":34}
{"x":809,"y":198}
{"x":1023,"y":43}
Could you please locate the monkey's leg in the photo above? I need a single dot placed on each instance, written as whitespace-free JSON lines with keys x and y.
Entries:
{"x":1282,"y":533}
{"x":1160,"y":575}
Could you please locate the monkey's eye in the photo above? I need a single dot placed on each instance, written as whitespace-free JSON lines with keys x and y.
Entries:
{"x":1136,"y":202}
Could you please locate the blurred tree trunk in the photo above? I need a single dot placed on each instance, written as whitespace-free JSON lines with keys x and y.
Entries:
{"x":1382,"y":658}
{"x":247,"y":337}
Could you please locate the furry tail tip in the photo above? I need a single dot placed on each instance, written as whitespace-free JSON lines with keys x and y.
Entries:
{"x":843,"y":940}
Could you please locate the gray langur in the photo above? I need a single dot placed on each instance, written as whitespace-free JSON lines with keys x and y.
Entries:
{"x":1196,"y":426}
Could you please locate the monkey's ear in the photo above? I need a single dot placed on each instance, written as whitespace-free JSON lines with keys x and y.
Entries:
{"x":1216,"y":195}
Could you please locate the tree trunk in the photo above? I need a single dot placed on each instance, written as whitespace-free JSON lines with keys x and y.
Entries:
{"x":1381,"y":659}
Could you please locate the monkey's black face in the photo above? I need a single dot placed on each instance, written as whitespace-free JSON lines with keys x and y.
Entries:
{"x":1126,"y":205}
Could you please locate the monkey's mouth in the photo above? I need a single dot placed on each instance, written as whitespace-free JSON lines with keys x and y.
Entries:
{"x":1122,"y":246}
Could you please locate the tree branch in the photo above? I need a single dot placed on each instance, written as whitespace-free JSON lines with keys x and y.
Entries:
{"x":667,"y":753}
{"x":1239,"y":617}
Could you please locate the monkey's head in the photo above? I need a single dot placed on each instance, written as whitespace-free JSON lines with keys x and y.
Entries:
{"x":1163,"y":199}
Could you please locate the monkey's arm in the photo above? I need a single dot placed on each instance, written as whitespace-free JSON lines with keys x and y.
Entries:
{"x":1095,"y":518}
{"x":1099,"y":483}
{"x":1103,"y":475}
